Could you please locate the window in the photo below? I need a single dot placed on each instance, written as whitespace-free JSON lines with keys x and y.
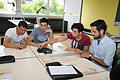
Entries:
{"x":56,"y":7}
{"x":32,"y":6}
{"x":7,"y":6}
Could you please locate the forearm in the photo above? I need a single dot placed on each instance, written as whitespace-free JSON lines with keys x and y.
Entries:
{"x":32,"y":43}
{"x":10,"y":45}
{"x":78,"y":51}
{"x":99,"y":61}
{"x":51,"y":36}
{"x":70,"y":49}
{"x":55,"y":40}
{"x":52,"y":41}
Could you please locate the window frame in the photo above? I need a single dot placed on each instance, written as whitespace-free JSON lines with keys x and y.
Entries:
{"x":18,"y":8}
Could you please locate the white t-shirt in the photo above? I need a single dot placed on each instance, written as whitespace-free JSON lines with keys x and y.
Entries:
{"x":16,"y":39}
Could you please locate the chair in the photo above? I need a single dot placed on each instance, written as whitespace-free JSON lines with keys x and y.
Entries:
{"x":115,"y":72}
{"x":115,"y":58}
{"x":2,"y":40}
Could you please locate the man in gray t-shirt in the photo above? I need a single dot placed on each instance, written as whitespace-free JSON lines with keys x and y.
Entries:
{"x":40,"y":34}
{"x":39,"y":37}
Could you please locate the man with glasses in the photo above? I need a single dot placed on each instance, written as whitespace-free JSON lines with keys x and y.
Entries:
{"x":16,"y":37}
{"x":40,"y":34}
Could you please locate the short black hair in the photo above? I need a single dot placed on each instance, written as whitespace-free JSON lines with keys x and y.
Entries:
{"x":44,"y":20}
{"x":23,"y":24}
{"x":100,"y":24}
{"x":78,"y":26}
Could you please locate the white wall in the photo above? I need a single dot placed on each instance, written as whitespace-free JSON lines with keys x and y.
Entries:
{"x":72,"y":10}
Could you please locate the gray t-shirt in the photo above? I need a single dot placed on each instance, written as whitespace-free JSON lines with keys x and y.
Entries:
{"x":38,"y":36}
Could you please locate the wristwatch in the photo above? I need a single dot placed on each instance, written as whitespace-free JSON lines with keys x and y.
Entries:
{"x":90,"y":57}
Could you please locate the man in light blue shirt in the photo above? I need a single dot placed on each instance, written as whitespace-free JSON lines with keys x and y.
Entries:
{"x":103,"y":48}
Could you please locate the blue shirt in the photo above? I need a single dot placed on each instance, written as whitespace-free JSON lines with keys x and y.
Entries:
{"x":105,"y":50}
{"x":38,"y":36}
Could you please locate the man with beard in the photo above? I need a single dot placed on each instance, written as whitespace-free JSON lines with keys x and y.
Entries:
{"x":102,"y":48}
{"x":77,"y":37}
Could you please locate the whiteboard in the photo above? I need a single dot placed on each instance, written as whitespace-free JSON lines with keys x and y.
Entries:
{"x":72,"y":10}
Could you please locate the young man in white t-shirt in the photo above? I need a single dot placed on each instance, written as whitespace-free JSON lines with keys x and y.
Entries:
{"x":16,"y":37}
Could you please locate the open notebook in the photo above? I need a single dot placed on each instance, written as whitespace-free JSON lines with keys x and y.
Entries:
{"x":63,"y":72}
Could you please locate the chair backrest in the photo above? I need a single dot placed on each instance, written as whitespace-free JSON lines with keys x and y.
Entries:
{"x":115,"y":72}
{"x":115,"y":59}
{"x":2,"y":40}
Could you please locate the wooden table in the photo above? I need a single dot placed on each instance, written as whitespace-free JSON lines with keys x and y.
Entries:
{"x":18,"y":54}
{"x":30,"y":65}
{"x":68,"y":58}
{"x":24,"y":69}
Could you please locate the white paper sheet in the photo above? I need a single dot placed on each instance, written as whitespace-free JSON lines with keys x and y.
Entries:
{"x":61,"y":70}
{"x":8,"y":77}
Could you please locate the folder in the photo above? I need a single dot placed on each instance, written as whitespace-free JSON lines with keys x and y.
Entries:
{"x":53,"y":64}
{"x":7,"y":59}
{"x":63,"y":72}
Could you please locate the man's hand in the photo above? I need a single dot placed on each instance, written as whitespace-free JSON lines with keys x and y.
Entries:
{"x":24,"y":41}
{"x":48,"y":30}
{"x":84,"y":55}
{"x":41,"y":45}
{"x":78,"y":51}
{"x":22,"y":46}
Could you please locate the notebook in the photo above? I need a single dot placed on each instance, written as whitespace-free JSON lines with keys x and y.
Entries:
{"x":63,"y":72}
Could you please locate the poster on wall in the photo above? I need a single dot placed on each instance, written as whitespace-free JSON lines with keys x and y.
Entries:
{"x":72,"y":12}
